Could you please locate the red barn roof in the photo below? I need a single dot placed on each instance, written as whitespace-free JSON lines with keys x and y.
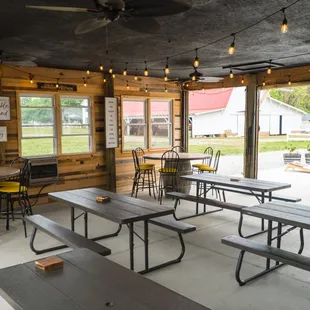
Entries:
{"x":208,"y":100}
{"x":135,"y":107}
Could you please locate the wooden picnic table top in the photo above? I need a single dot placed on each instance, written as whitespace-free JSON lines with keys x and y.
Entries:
{"x":8,"y":171}
{"x":242,"y":183}
{"x":87,"y":281}
{"x":121,"y":209}
{"x":294,"y":214}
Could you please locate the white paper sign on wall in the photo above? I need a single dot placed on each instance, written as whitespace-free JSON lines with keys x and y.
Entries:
{"x":3,"y":134}
{"x":111,"y":124}
{"x":5,"y":108}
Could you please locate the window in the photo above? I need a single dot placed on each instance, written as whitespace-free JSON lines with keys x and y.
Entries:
{"x":38,"y":134}
{"x":161,"y":127}
{"x":75,"y":129}
{"x":134,"y":124}
{"x":42,"y":135}
{"x":147,"y":123}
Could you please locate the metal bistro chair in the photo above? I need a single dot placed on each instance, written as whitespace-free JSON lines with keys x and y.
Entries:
{"x":13,"y":191}
{"x":168,"y":172}
{"x":205,"y":162}
{"x":178,"y":149}
{"x":144,"y":177}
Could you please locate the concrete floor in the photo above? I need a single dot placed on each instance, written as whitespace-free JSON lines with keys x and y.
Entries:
{"x":206,"y":273}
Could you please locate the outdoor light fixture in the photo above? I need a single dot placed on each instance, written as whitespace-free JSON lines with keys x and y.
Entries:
{"x":146,"y":90}
{"x":136,"y":75}
{"x":125,"y":70}
{"x":166,"y":90}
{"x":166,"y":78}
{"x":127,"y":85}
{"x":264,"y":83}
{"x":111,"y":68}
{"x":269,"y":70}
{"x":88,"y":71}
{"x":284,"y":27}
{"x":196,"y":60}
{"x":104,"y":80}
{"x":167,"y":70}
{"x":194,"y":78}
{"x":113,"y":76}
{"x":231,"y":74}
{"x":146,"y":72}
{"x":85,"y":84}
{"x":289,"y":80}
{"x":101,"y":67}
{"x":31,"y":78}
{"x":57,"y":84}
{"x":231,"y":49}
{"x":242,"y":80}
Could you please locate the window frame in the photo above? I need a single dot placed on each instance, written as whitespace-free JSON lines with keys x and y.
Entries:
{"x":148,"y":120}
{"x":57,"y":121}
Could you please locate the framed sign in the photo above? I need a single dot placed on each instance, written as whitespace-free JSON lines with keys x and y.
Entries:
{"x":111,"y":126}
{"x":5,"y":114}
{"x":3,"y":134}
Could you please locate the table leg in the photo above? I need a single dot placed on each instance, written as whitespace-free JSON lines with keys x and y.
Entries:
{"x":263,"y":222}
{"x":86,"y":225}
{"x":204,"y":195}
{"x":279,"y":232}
{"x":146,"y":244}
{"x":72,"y":218}
{"x":269,"y":240}
{"x":131,"y":246}
{"x":197,"y":195}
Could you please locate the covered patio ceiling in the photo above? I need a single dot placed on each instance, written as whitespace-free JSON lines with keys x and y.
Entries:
{"x":48,"y":37}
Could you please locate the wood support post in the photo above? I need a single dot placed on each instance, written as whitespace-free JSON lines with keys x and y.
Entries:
{"x":184,"y":119}
{"x":110,"y":162}
{"x":251,"y":129}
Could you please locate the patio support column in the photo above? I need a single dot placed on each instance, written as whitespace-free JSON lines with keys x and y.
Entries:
{"x":251,"y":129}
{"x":184,"y":119}
{"x":110,"y":162}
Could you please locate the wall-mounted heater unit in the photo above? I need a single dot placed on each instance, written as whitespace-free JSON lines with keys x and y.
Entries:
{"x":44,"y":170}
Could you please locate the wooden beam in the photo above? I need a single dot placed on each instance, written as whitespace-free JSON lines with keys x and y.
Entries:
{"x":251,"y":129}
{"x":110,"y":162}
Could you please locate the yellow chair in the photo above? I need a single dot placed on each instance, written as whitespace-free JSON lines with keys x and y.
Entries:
{"x":208,"y":168}
{"x":13,"y":191}
{"x":145,"y":175}
{"x":168,"y":173}
{"x":206,"y":162}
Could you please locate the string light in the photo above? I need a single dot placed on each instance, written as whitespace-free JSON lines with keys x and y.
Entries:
{"x":231,"y":74}
{"x":264,"y":82}
{"x":101,"y":67}
{"x":284,"y":27}
{"x":57,"y":84}
{"x":136,"y":75}
{"x":113,"y":76}
{"x":196,"y":60}
{"x":146,"y":72}
{"x":289,"y":80}
{"x":146,"y":90}
{"x":166,"y":90}
{"x":127,"y":85}
{"x":125,"y":70}
{"x":85,"y":84}
{"x":104,"y":80}
{"x":31,"y":78}
{"x":242,"y":80}
{"x":269,"y":69}
{"x":231,"y":49}
{"x":111,"y":68}
{"x":167,"y":70}
{"x":194,"y":78}
{"x":88,"y":71}
{"x":165,"y":78}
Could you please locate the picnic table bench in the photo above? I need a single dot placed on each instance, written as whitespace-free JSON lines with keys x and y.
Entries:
{"x":124,"y":210}
{"x":291,"y":214}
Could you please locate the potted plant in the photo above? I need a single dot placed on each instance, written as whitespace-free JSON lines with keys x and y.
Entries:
{"x":307,"y":154}
{"x":292,"y":155}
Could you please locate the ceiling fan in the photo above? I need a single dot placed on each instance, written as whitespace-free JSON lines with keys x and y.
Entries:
{"x":133,"y":14}
{"x":18,"y":60}
{"x":197,"y":76}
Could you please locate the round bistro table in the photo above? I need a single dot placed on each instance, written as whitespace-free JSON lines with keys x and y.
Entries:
{"x":184,"y":167}
{"x":6,"y":172}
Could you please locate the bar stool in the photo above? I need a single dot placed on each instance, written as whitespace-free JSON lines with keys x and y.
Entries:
{"x":145,"y":176}
{"x":168,"y":172}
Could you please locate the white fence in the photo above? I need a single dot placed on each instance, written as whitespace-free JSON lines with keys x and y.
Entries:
{"x":297,"y":136}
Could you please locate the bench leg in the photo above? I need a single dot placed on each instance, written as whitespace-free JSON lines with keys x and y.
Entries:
{"x":33,"y":235}
{"x":109,"y":235}
{"x":238,"y":269}
{"x":131,"y":246}
{"x":171,"y":262}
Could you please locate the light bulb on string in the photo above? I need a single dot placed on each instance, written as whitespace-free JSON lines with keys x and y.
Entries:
{"x":146,"y":90}
{"x":284,"y":27}
{"x":264,"y":82}
{"x":269,"y":70}
{"x":84,"y":81}
{"x":101,"y":67}
{"x":289,"y":80}
{"x":57,"y":83}
{"x":125,"y":70}
{"x":111,"y":68}
{"x":196,"y":60}
{"x":166,"y":90}
{"x":167,"y":70}
{"x":127,"y":85}
{"x":87,"y":71}
{"x":31,"y":78}
{"x":165,"y":77}
{"x":146,"y":72}
{"x":136,"y":75}
{"x":104,"y":80}
{"x":194,"y":78}
{"x":113,"y":76}
{"x":231,"y":49}
{"x":231,"y":74}
{"x":242,"y":79}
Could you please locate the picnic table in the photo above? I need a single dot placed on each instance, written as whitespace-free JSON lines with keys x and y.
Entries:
{"x":86,"y":281}
{"x":295,"y":216}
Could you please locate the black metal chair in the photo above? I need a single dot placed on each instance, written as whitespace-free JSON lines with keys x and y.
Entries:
{"x":168,"y":172}
{"x":16,"y":190}
{"x":205,"y":162}
{"x":145,"y":176}
{"x":212,"y":168}
{"x":178,"y":149}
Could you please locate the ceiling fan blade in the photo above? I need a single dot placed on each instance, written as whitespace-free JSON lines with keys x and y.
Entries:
{"x":90,"y":25}
{"x":155,"y":7}
{"x":143,"y":24}
{"x":59,"y":8}
{"x":115,"y":4}
{"x":210,"y":79}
